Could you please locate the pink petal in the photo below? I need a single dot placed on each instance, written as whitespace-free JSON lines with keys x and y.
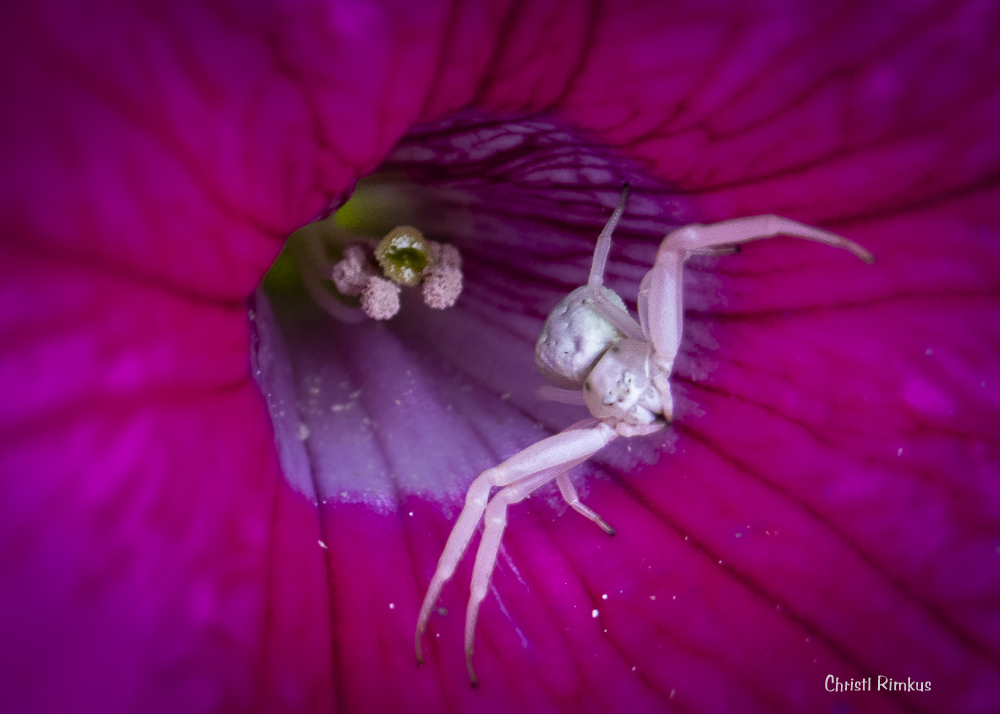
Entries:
{"x":153,"y":557}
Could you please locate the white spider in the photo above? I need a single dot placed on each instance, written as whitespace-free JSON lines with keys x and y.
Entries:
{"x":591,"y":343}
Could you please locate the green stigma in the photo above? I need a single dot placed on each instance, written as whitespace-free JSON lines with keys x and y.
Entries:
{"x":403,"y":254}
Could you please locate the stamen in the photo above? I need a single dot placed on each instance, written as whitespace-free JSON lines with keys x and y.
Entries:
{"x":404,"y":255}
{"x":380,"y":299}
{"x":443,"y":279}
{"x":307,"y":249}
{"x":446,"y":255}
{"x":351,"y":275}
{"x":442,"y":286}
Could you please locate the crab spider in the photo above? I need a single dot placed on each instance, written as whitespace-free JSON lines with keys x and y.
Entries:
{"x":596,"y":355}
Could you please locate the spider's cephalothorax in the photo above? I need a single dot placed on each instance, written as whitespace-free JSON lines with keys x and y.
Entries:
{"x":596,"y":355}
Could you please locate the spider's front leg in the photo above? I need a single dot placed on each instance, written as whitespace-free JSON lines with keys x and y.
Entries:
{"x":697,"y":237}
{"x":524,"y":472}
{"x":495,"y":522}
{"x":661,"y":303}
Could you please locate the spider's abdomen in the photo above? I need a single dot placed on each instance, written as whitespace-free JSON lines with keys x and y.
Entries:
{"x":574,"y":337}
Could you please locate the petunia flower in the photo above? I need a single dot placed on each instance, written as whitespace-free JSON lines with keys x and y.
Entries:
{"x":826,"y":504}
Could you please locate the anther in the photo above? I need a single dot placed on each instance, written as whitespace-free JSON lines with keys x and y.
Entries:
{"x":351,"y":275}
{"x":375,"y":271}
{"x":380,"y":299}
{"x":442,"y":286}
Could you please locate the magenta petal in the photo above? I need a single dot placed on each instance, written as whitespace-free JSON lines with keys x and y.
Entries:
{"x":844,"y":470}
